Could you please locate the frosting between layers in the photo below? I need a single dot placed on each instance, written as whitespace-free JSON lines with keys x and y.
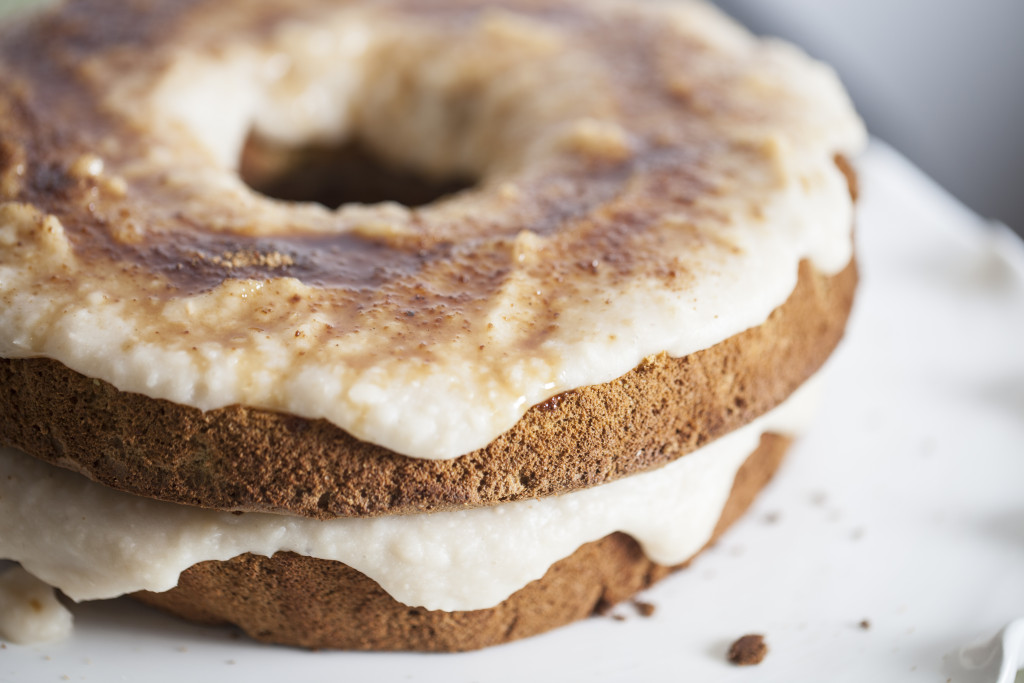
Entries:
{"x":679,"y":224}
{"x":100,"y":543}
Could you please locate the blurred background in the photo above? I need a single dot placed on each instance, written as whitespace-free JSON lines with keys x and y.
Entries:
{"x":940,"y":80}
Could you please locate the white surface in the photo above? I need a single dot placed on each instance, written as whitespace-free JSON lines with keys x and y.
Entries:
{"x":903,"y":506}
{"x":993,"y":661}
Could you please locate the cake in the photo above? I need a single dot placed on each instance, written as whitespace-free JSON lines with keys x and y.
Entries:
{"x":386,"y":426}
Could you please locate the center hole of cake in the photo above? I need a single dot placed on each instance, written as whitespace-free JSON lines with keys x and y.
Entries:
{"x":333,"y":175}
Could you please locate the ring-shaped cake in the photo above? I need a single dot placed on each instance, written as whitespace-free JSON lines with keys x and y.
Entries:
{"x":642,"y":245}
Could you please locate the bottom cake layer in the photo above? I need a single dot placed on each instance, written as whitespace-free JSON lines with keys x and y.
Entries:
{"x":315,"y":603}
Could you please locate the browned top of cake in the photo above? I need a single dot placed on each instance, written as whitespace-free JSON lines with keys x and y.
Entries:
{"x":654,"y":155}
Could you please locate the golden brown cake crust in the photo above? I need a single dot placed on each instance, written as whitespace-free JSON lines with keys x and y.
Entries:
{"x":314,"y":603}
{"x":240,"y":458}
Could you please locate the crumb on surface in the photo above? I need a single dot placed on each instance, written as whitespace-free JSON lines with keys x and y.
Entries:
{"x":618,"y":617}
{"x":772,"y":518}
{"x":748,"y":650}
{"x":645,"y":609}
{"x":865,"y":624}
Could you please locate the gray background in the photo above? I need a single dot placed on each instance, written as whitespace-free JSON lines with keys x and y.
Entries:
{"x":941,"y":80}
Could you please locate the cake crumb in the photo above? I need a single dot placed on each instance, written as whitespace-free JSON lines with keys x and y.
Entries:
{"x":645,"y":609}
{"x":772,"y":518}
{"x":748,"y":650}
{"x":618,"y":617}
{"x":865,"y":624}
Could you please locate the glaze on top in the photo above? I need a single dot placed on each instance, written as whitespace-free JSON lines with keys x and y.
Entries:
{"x":648,"y":178}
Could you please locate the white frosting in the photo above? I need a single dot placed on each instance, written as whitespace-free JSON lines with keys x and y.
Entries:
{"x":29,"y":610}
{"x":790,"y":203}
{"x":94,"y":542}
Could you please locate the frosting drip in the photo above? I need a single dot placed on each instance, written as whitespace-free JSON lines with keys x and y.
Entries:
{"x":29,"y":610}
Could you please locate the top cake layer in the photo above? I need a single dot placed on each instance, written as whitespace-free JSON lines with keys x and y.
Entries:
{"x":650,"y":177}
